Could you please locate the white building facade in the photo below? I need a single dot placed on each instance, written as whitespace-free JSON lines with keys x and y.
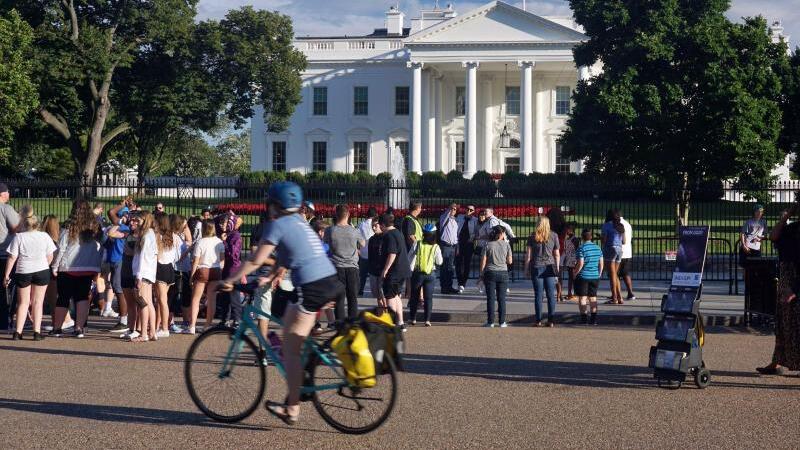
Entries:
{"x":440,"y":93}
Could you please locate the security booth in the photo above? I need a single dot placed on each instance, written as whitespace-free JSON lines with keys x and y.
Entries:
{"x":680,"y":335}
{"x":760,"y":289}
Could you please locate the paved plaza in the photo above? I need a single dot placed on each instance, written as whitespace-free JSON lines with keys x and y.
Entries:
{"x":466,"y":387}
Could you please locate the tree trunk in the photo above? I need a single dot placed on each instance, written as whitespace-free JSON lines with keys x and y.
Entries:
{"x":682,"y":198}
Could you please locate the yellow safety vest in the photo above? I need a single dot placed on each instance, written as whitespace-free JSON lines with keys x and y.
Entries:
{"x":426,"y":258}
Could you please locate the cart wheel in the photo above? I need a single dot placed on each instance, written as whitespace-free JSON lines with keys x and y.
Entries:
{"x":702,"y":378}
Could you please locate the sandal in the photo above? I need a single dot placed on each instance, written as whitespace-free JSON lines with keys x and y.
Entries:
{"x":610,"y":302}
{"x":280,"y":411}
{"x":140,"y":339}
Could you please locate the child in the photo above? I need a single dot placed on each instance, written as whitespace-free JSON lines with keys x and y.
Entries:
{"x":428,"y":256}
{"x":571,"y":244}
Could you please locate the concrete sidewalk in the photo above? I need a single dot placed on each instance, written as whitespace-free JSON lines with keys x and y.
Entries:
{"x":717,"y":307}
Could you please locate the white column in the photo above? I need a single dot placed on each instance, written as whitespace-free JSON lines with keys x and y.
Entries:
{"x":416,"y":117}
{"x":471,"y":119}
{"x":426,"y":115}
{"x":429,"y":153}
{"x":488,"y":125}
{"x":437,"y":99}
{"x":526,"y":116}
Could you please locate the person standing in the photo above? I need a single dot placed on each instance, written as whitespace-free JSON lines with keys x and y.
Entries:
{"x":558,"y":226}
{"x":626,"y":266}
{"x":587,"y":276}
{"x":448,"y":243}
{"x":542,"y":261}
{"x":496,"y":258}
{"x":233,"y":260}
{"x":365,"y":229}
{"x":396,"y":270}
{"x":345,"y":242}
{"x":412,"y":232}
{"x":116,"y":235}
{"x":429,"y":255}
{"x":613,"y":237}
{"x":207,"y":261}
{"x":467,"y":223}
{"x":786,"y":353}
{"x":145,"y":268}
{"x":32,"y":252}
{"x":376,"y":259}
{"x":9,"y":220}
{"x":753,"y":232}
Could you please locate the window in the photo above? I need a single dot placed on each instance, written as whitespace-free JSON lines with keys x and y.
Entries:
{"x":279,"y":156}
{"x":512,"y":164}
{"x":360,"y":156}
{"x":563,"y":94}
{"x":402,"y":147}
{"x":512,"y":100}
{"x":320,"y":157}
{"x":461,"y":101}
{"x":460,"y":156}
{"x":401,"y":106}
{"x":562,"y":164}
{"x":320,"y":101}
{"x":360,"y":101}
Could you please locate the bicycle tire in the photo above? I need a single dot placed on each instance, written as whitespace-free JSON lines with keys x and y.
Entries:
{"x":247,"y":361}
{"x":387,"y":376}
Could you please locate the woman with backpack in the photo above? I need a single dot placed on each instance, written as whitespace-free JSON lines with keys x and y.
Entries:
{"x":612,"y":236}
{"x":429,"y":255}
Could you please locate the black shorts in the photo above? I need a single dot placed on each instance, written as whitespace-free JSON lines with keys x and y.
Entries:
{"x":165,"y":273}
{"x":73,"y":287}
{"x":311,"y":297}
{"x":180,"y":293}
{"x":625,"y":268}
{"x":392,"y":288}
{"x":41,"y":278}
{"x":586,"y":288}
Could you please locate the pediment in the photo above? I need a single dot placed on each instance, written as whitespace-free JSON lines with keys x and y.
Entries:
{"x":496,"y":22}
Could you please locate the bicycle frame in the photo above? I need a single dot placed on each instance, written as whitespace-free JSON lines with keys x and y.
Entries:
{"x":309,"y":346}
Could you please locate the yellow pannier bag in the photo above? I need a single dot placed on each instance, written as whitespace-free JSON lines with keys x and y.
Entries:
{"x":352,"y":348}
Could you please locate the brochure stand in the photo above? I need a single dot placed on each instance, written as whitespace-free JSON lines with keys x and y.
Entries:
{"x":679,"y":351}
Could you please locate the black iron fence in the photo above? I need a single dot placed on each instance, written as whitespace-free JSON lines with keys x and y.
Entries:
{"x":650,"y":210}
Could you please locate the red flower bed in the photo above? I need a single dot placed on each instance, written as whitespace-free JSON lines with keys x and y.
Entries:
{"x":360,"y":209}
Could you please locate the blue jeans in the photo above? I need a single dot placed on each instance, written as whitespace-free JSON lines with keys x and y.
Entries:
{"x":448,"y":270}
{"x":496,"y":283}
{"x":424,"y":280}
{"x":544,"y":282}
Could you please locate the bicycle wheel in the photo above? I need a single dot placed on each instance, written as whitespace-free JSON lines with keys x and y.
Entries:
{"x":350,"y":409}
{"x":230,"y":395}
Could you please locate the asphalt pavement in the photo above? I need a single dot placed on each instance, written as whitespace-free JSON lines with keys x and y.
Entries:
{"x":465,"y":387}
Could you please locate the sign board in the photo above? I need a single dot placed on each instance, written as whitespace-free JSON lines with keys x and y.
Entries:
{"x":691,"y":256}
{"x":670,"y":255}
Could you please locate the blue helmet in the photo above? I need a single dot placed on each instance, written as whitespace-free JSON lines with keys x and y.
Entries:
{"x":429,"y":228}
{"x":287,"y":194}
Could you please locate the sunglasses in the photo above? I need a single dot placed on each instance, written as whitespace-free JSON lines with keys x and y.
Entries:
{"x":470,"y":210}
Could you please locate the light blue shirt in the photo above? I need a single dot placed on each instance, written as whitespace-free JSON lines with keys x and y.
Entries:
{"x":449,"y":228}
{"x":299,"y":248}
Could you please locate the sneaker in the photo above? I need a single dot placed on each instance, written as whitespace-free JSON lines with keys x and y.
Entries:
{"x":631,"y":297}
{"x":131,"y":335}
{"x":427,"y":324}
{"x":593,"y":320}
{"x":162,"y":334}
{"x":503,"y":325}
{"x":461,"y":289}
{"x":119,"y":328}
{"x":585,"y":319}
{"x":47,"y":328}
{"x":189,"y":330}
{"x":37,"y":336}
{"x":508,"y":290}
{"x":79,"y":333}
{"x":488,"y":325}
{"x":175,"y":328}
{"x":68,"y":325}
{"x":16,"y":336}
{"x":403,"y":327}
{"x":55,"y":333}
{"x":110,"y":313}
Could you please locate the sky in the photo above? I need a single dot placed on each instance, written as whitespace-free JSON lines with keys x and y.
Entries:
{"x":357,"y":17}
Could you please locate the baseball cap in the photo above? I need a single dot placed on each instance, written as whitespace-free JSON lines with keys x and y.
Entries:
{"x":3,"y":188}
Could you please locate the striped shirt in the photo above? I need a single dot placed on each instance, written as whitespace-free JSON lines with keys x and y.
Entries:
{"x":590,"y":254}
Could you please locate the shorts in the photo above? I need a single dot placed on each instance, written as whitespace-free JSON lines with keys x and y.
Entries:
{"x":73,"y":287}
{"x":586,"y":288}
{"x":116,"y":277}
{"x":180,"y":293}
{"x":625,"y":267}
{"x":40,"y":278}
{"x":128,"y":283}
{"x":165,"y":273}
{"x":311,"y":297}
{"x":207,"y":274}
{"x":612,"y":254}
{"x":392,"y":288}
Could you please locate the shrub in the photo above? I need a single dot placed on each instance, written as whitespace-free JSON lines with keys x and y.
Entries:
{"x":297,"y":177}
{"x":512,"y":184}
{"x":482,"y":184}
{"x":433,"y":184}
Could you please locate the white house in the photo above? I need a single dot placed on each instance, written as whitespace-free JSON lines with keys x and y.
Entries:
{"x":439,"y":92}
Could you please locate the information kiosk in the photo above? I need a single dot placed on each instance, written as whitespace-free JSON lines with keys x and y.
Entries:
{"x":679,"y":351}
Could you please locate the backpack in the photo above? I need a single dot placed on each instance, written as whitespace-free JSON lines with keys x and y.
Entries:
{"x":352,"y":348}
{"x":384,"y":337}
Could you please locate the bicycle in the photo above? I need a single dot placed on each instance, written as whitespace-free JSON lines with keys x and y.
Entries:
{"x":228,"y":359}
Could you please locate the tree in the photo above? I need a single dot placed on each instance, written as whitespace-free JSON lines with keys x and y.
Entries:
{"x":17,"y":91}
{"x":234,"y":153}
{"x":789,"y":140}
{"x":685,"y":95}
{"x":80,"y":46}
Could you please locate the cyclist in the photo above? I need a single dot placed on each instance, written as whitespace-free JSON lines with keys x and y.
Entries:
{"x":313,"y":275}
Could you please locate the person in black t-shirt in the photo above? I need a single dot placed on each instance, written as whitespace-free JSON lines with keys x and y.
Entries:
{"x":375,"y":258}
{"x":396,"y":270}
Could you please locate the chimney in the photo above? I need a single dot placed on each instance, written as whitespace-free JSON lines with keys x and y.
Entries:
{"x":394,"y":21}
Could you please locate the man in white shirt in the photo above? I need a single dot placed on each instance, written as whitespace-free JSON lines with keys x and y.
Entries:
{"x":625,"y":266}
{"x":365,"y":229}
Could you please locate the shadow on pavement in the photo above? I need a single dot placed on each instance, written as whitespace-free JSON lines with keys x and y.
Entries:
{"x":120,"y":414}
{"x":564,"y":373}
{"x":52,"y":351}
